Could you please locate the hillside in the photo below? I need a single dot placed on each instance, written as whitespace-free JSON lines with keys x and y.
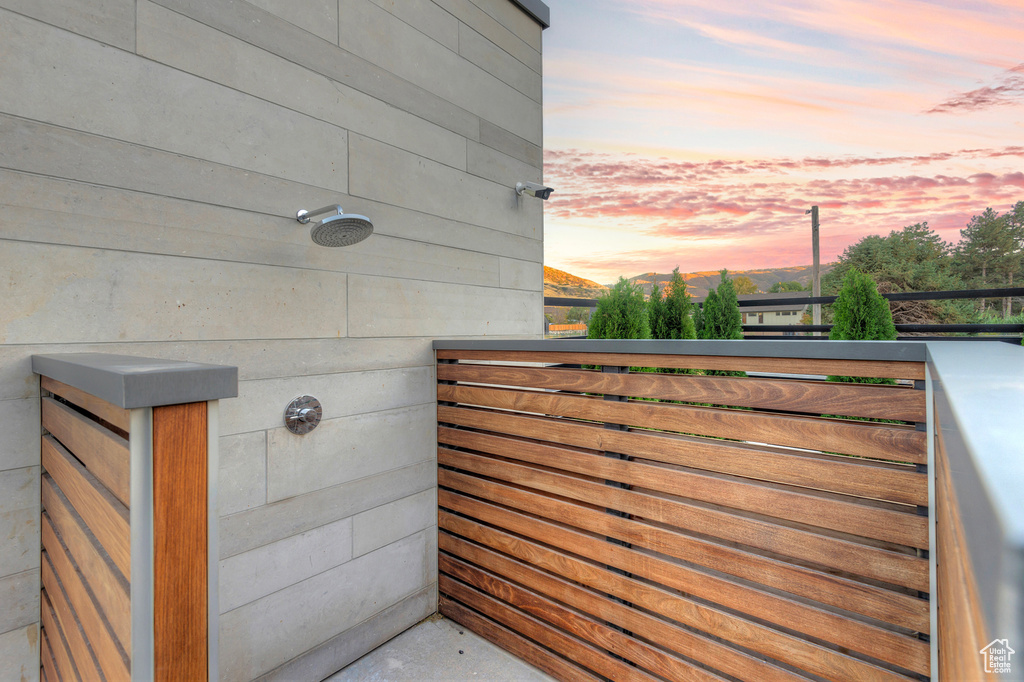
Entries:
{"x":560,"y":283}
{"x":698,"y":283}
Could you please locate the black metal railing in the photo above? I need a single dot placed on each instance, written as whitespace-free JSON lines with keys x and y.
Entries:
{"x":1010,"y":333}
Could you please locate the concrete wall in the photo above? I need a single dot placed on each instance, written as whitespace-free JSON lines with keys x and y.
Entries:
{"x":152,"y":156}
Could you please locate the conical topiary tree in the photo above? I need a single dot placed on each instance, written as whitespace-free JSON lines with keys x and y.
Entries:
{"x":656,"y":315}
{"x":860,"y":313}
{"x":720,"y":318}
{"x":621,"y":314}
{"x":671,"y":315}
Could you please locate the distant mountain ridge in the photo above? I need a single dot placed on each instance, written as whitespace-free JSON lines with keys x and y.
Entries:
{"x":699,"y":283}
{"x":560,"y":283}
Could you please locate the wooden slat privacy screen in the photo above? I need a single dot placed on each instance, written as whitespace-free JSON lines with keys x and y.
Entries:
{"x":608,"y":523}
{"x":86,"y":600}
{"x":126,"y":534}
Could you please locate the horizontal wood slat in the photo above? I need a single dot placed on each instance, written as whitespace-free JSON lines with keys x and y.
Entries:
{"x":689,"y":526}
{"x":112,"y":662}
{"x":854,"y":558}
{"x":860,"y":439}
{"x":581,"y":652}
{"x":687,"y":643}
{"x":884,"y":605}
{"x":112,"y":414}
{"x":514,"y":643}
{"x":46,"y":657}
{"x":896,"y":483}
{"x":814,"y":397}
{"x":108,"y":586}
{"x":80,"y":651}
{"x":874,"y":641}
{"x":783,"y":647}
{"x":576,"y":623}
{"x":104,"y":515}
{"x":58,"y":645}
{"x":883,"y":524}
{"x":103,"y":452}
{"x":854,"y":368}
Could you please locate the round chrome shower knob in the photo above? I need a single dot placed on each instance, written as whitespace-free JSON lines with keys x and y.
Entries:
{"x":303,"y":414}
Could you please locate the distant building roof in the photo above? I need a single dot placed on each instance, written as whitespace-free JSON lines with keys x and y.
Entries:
{"x":768,"y":307}
{"x":773,"y":308}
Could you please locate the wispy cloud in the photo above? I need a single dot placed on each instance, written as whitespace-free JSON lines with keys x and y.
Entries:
{"x":696,"y":132}
{"x":750,"y":212}
{"x":1008,"y":90}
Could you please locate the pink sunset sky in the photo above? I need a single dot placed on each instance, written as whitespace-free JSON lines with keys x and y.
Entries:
{"x":697,"y":133}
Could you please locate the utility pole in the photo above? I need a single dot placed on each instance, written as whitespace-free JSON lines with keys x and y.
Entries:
{"x":816,"y":267}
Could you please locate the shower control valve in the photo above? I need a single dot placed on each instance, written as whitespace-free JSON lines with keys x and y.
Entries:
{"x":303,"y":414}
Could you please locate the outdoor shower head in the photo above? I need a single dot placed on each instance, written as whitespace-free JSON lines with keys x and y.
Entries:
{"x":341,"y":229}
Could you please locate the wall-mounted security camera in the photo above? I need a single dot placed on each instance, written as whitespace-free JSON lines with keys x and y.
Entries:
{"x":533,"y":189}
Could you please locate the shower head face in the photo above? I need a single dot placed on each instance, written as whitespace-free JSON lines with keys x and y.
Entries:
{"x":341,"y":230}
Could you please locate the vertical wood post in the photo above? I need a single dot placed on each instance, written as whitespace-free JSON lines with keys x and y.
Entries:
{"x":180,"y":525}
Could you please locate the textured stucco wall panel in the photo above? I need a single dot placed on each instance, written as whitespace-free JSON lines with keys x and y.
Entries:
{"x":425,"y":16}
{"x":495,"y":61}
{"x":258,"y":636}
{"x":108,"y":21}
{"x":66,"y":294}
{"x":49,"y":150}
{"x":383,"y":306}
{"x":242,"y":482}
{"x":512,"y":145}
{"x":343,"y":450}
{"x":424,"y":185}
{"x":432,"y":229}
{"x":80,"y":214}
{"x":269,"y":523}
{"x":19,"y":424}
{"x":506,"y":170}
{"x":514,"y":19}
{"x":321,"y":661}
{"x":254,"y":574}
{"x":319,"y":17}
{"x":19,"y":650}
{"x":387,"y":523}
{"x":521,"y":274}
{"x":171,"y":38}
{"x":514,"y":32}
{"x":260,"y":404}
{"x":118,"y":95}
{"x":382,"y":39}
{"x":253,"y":25}
{"x":19,"y":593}
{"x":19,"y":520}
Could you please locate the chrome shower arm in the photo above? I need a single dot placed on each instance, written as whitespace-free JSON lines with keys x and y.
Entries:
{"x":303,"y":216}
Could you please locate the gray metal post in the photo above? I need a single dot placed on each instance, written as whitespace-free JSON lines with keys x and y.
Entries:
{"x":816,"y":267}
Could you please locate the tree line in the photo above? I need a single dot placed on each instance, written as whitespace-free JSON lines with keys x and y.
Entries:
{"x":990,"y":254}
{"x":623,"y":313}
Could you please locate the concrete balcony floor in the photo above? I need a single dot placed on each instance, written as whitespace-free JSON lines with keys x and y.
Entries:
{"x":439,"y":649}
